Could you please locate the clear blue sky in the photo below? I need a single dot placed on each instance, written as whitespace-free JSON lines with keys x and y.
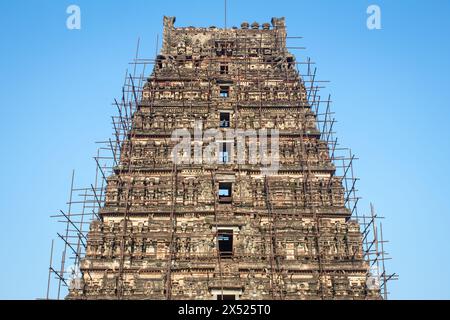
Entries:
{"x":390,"y":88}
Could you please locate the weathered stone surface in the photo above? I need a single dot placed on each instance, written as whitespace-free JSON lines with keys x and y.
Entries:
{"x":305,"y":246}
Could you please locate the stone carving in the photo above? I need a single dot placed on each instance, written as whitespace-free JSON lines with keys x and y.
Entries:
{"x":283,"y":227}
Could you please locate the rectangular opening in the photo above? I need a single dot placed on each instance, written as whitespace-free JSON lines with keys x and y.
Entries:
{"x":224,"y":69}
{"x":225,"y":238}
{"x":224,"y":92}
{"x":225,"y":195}
{"x":223,"y":154}
{"x":224,"y":119}
{"x":226,"y":297}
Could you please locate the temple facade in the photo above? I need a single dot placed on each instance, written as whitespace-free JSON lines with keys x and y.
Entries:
{"x":261,"y":221}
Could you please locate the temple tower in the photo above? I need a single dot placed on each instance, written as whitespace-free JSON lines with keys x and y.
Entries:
{"x":265,"y":220}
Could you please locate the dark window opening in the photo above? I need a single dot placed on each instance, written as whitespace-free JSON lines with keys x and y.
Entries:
{"x":224,"y":48}
{"x":224,"y":69}
{"x":226,"y":297}
{"x":225,"y":238}
{"x":225,"y":192}
{"x":224,"y":92}
{"x":224,"y":119}
{"x":223,"y":154}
